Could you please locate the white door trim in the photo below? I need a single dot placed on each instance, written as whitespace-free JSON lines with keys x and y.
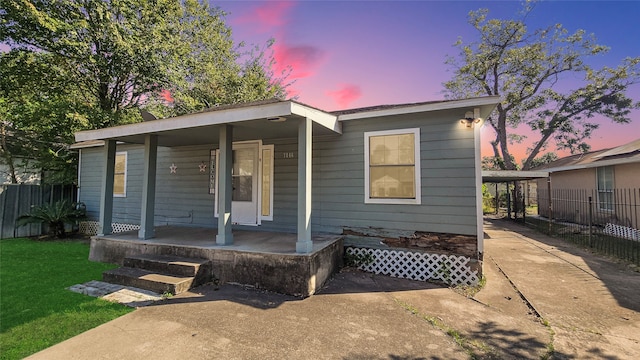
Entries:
{"x":256,"y":190}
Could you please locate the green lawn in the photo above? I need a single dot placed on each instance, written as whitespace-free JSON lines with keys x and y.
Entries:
{"x":36,"y":309}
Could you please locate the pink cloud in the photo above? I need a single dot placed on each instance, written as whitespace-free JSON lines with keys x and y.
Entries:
{"x":267,"y":15}
{"x":302,"y":59}
{"x":298,"y":61}
{"x":346,"y":94}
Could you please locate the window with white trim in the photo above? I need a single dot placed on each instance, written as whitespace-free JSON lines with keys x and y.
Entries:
{"x":605,"y":187}
{"x":392,"y":166}
{"x":120,"y":175}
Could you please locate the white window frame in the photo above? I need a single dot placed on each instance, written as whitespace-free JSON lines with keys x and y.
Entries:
{"x":600,"y":190}
{"x":417,"y":170}
{"x":126,"y":160}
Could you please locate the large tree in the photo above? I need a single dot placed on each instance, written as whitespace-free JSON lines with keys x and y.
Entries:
{"x":39,"y":112}
{"x":126,"y":53}
{"x":86,"y":64}
{"x":534,"y":72}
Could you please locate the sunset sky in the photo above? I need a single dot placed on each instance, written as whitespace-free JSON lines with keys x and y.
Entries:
{"x":349,"y":54}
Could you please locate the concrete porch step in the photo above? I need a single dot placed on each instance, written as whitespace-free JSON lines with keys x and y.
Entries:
{"x":169,"y":264}
{"x":148,"y":280}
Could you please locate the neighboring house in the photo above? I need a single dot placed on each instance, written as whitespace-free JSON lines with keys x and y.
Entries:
{"x":282,"y":166}
{"x":611,"y":177}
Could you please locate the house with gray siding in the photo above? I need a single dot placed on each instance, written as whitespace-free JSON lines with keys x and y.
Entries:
{"x":285,"y":167}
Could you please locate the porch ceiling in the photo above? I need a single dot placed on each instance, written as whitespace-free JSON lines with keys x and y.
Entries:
{"x":250,"y":122}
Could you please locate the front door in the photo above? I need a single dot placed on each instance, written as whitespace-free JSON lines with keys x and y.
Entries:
{"x":244,"y":198}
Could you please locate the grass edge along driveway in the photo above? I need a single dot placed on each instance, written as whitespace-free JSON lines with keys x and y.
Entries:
{"x":36,"y":309}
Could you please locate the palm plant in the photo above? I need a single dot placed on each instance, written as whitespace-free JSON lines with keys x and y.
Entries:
{"x":55,"y":215}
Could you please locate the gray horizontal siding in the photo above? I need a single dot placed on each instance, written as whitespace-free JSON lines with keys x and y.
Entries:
{"x":447,"y":171}
{"x":448,"y":190}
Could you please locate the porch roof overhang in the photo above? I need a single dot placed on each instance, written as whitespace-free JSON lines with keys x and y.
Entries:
{"x":250,"y":121}
{"x":499,"y":176}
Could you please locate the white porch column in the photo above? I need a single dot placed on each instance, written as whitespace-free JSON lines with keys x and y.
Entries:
{"x":148,"y":188}
{"x":106,"y":190}
{"x":225,"y":186}
{"x":304,"y":244}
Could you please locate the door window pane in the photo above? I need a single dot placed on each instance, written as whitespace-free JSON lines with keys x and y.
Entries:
{"x":242,"y":173}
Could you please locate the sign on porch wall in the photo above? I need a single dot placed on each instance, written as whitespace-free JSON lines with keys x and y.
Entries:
{"x":289,"y":155}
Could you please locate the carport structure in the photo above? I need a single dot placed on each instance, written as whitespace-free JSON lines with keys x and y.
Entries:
{"x":513,"y":176}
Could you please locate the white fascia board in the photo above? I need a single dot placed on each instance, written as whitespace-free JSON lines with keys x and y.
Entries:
{"x":445,"y":105}
{"x":188,"y":121}
{"x":597,"y":164}
{"x":320,"y":117}
{"x":513,"y":175}
{"x":86,"y":144}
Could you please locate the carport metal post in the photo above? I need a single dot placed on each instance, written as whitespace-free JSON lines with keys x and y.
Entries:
{"x":497,"y":199}
{"x":508,"y":201}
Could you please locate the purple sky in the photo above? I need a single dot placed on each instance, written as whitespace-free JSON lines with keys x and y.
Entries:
{"x":349,"y":54}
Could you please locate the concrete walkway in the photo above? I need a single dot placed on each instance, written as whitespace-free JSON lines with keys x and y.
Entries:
{"x":592,"y":304}
{"x":543,"y":298}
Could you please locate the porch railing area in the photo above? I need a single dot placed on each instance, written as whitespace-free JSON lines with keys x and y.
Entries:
{"x":605,"y":221}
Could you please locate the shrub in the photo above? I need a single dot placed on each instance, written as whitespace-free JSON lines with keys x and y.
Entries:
{"x":55,"y":215}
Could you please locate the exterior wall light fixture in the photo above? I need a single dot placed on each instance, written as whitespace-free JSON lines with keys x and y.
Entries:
{"x":471,"y":118}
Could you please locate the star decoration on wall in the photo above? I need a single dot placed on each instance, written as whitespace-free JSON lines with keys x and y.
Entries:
{"x":203,"y":167}
{"x":173,"y":168}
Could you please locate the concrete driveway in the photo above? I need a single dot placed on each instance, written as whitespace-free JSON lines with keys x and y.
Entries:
{"x":542,"y":298}
{"x":591,"y":302}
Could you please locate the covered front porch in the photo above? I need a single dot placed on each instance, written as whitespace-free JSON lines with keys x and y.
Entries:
{"x":239,"y":178}
{"x":267,"y":260}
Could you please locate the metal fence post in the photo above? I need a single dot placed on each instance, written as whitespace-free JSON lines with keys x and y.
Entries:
{"x":550,"y":204}
{"x":590,"y":219}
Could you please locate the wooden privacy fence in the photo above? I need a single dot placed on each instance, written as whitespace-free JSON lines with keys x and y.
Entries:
{"x":17,"y":199}
{"x":608,"y":222}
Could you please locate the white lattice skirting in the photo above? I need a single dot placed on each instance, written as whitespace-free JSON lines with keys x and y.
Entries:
{"x":622,"y":231}
{"x":451,"y":269}
{"x":91,"y":227}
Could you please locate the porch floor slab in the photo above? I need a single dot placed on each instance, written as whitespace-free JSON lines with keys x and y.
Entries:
{"x":263,"y":259}
{"x":243,"y":240}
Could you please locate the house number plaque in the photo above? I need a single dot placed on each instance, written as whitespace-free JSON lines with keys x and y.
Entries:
{"x":289,"y":155}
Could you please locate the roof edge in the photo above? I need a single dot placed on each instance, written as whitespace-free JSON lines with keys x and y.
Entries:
{"x":419,"y":107}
